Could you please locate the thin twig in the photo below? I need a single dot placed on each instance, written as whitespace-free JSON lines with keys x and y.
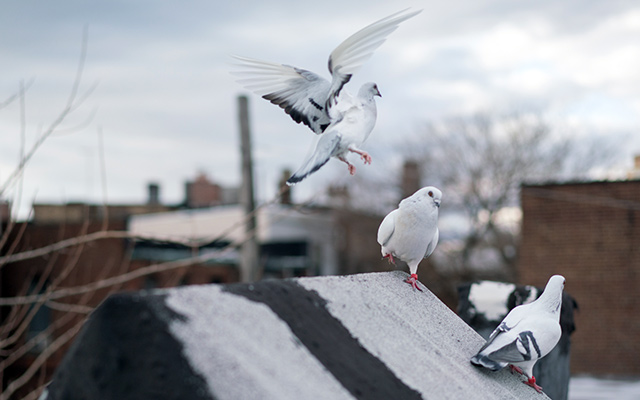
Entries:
{"x":72,"y":104}
{"x":43,"y":297}
{"x":30,"y":344}
{"x":103,"y":176}
{"x":14,"y":96}
{"x":129,"y":276}
{"x":36,"y":393}
{"x":13,"y":245}
{"x":63,"y":244}
{"x":70,"y":308}
{"x":40,"y":360}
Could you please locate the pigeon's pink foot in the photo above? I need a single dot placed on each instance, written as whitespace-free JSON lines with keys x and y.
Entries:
{"x":352,"y":168}
{"x":532,"y":382}
{"x":366,"y":158}
{"x":363,"y":154}
{"x":513,"y":369}
{"x":413,"y":279}
{"x":389,"y":258}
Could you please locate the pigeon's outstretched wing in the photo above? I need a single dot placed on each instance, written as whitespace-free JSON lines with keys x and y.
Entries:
{"x":325,"y":148}
{"x":346,"y":59}
{"x":301,"y":93}
{"x":387,"y":227}
{"x":306,"y":96}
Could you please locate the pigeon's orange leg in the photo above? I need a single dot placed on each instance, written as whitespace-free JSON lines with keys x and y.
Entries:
{"x":513,"y":369}
{"x":413,"y":279}
{"x":532,"y":382}
{"x":389,"y":258}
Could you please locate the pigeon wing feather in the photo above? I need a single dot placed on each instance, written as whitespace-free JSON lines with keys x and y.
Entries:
{"x":432,"y":244}
{"x":300,"y":93}
{"x":346,"y":59}
{"x":306,"y":96}
{"x":387,"y":227}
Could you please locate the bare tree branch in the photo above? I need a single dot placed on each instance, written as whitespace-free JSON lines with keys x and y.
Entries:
{"x":50,"y":298}
{"x":40,"y":360}
{"x":481,"y":162}
{"x":63,"y":244}
{"x":129,"y":276}
{"x":71,"y":308}
{"x":16,"y":95}
{"x":103,"y":179}
{"x":72,"y":104}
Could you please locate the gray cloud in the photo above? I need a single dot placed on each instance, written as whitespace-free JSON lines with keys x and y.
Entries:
{"x":166,"y":102}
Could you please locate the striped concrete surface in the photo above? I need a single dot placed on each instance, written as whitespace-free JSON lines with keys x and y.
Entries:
{"x":368,"y":336}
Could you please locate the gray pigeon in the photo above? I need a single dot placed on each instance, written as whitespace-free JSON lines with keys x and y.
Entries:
{"x":528,"y":333}
{"x":410,"y":232}
{"x":344,"y":121}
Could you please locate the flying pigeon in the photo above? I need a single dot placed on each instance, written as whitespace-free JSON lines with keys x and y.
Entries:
{"x":528,"y":333}
{"x":343,"y":121}
{"x":410,"y":232}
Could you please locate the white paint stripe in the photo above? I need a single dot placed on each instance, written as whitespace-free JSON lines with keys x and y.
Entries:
{"x":244,"y":351}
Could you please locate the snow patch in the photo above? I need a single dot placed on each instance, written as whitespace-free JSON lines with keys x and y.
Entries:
{"x":490,"y":298}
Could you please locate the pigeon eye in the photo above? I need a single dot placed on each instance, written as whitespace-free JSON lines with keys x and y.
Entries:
{"x":430,"y":193}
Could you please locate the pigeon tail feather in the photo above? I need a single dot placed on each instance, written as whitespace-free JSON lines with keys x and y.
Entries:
{"x":304,"y":172}
{"x":484,"y":361}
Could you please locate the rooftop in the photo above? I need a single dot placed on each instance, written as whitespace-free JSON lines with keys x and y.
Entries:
{"x":338,"y":337}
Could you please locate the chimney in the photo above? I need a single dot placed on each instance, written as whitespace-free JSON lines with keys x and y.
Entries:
{"x":283,"y":188}
{"x":339,"y":196}
{"x":154,"y":194}
{"x":410,"y":178}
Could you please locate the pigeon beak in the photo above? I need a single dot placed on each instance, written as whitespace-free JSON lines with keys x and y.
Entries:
{"x":377,"y":93}
{"x":437,"y":203}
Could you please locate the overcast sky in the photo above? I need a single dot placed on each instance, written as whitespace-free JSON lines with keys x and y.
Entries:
{"x":166,"y":103}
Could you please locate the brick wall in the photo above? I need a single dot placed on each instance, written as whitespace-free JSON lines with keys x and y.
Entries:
{"x":590,"y":233}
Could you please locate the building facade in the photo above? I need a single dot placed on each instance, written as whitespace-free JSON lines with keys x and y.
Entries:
{"x":590,"y":233}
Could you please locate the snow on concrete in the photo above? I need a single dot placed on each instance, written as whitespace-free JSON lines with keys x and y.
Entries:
{"x":244,"y":351}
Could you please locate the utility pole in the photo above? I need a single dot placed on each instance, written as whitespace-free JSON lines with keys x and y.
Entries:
{"x":249,"y":249}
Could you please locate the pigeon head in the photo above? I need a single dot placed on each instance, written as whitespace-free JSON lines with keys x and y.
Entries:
{"x":426,"y":195}
{"x":431,"y":193}
{"x":369,"y":90}
{"x":551,"y":297}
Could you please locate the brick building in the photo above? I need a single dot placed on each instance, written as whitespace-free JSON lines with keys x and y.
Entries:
{"x":590,"y":233}
{"x":202,"y":192}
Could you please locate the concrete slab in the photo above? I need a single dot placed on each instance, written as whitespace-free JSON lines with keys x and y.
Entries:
{"x":366,"y":336}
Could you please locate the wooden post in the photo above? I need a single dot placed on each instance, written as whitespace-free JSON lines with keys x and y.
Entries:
{"x":249,"y":249}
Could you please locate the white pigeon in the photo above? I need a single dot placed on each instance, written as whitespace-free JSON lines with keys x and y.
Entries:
{"x":344,"y":121}
{"x":528,"y":333}
{"x":410,"y":232}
